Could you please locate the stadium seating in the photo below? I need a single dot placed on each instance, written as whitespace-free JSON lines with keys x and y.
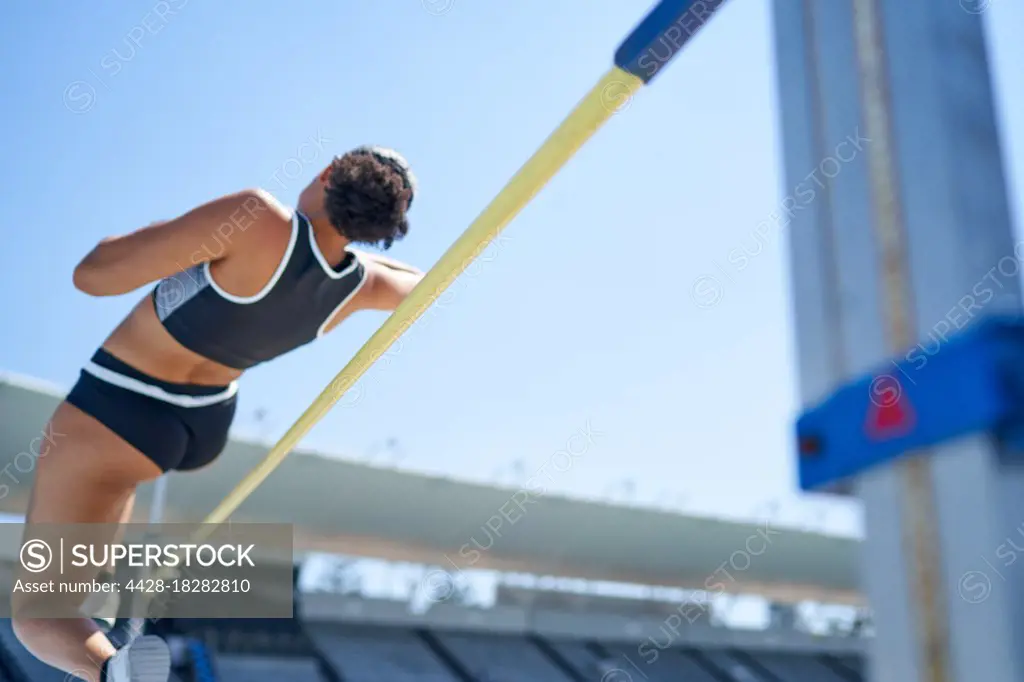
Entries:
{"x":850,"y":664}
{"x":368,"y":654}
{"x":232,"y":668}
{"x":658,"y":665}
{"x":731,"y":665}
{"x":581,"y":657}
{"x":796,"y":668}
{"x":502,"y":659}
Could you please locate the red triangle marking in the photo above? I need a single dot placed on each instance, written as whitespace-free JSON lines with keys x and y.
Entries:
{"x":890,"y":414}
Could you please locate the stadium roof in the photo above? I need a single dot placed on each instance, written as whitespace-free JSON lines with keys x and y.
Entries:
{"x":356,"y":509}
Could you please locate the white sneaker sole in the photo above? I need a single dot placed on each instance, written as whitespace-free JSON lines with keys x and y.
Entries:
{"x":147,"y":659}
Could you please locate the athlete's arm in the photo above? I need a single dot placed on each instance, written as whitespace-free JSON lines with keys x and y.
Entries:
{"x":388,"y":262}
{"x":387,"y":287}
{"x":118,"y":265}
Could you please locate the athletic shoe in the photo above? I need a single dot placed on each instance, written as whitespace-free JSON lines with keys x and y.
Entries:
{"x":147,"y":659}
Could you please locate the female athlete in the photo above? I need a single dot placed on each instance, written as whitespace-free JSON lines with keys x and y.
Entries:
{"x":240,"y":281}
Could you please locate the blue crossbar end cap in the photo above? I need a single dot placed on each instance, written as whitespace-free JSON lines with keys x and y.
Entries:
{"x":662,"y":34}
{"x":973,"y":383}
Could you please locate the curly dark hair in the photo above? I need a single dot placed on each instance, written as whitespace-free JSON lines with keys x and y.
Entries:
{"x":369,"y":190}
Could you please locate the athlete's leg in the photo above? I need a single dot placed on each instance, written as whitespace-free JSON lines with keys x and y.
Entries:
{"x":88,"y":476}
{"x":103,"y":607}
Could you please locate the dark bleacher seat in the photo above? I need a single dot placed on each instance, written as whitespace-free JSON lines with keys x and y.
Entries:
{"x":502,"y":659}
{"x":658,"y":665}
{"x":731,"y":665}
{"x":234,"y":668}
{"x":369,"y":654}
{"x":796,"y":667}
{"x":579,"y":657}
{"x":854,"y":664}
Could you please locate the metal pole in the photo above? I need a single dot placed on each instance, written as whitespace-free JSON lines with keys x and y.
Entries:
{"x":901,"y":240}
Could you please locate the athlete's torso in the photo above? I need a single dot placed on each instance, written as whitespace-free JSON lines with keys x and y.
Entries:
{"x":191,"y":329}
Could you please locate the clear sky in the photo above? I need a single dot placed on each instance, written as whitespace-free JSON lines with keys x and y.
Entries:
{"x":581,"y":315}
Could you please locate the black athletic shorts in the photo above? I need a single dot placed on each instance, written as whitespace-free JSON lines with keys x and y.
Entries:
{"x":178,"y":426}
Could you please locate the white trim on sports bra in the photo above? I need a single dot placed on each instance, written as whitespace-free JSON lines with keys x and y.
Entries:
{"x":246,"y":300}
{"x":142,"y":388}
{"x":323,"y":261}
{"x":323,"y":327}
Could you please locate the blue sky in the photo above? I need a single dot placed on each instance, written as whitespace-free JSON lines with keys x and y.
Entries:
{"x":581,"y":315}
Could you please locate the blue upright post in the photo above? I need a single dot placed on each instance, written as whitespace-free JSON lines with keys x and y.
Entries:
{"x":905,"y":278}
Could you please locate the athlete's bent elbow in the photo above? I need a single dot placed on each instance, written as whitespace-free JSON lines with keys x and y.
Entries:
{"x":84,"y":281}
{"x":88,"y":280}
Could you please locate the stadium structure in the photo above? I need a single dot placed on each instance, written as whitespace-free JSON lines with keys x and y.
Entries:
{"x":353,"y":511}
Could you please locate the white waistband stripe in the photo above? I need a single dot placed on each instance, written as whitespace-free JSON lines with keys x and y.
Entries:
{"x":142,"y":388}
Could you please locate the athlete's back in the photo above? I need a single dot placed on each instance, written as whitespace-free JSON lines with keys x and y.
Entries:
{"x":243,"y":279}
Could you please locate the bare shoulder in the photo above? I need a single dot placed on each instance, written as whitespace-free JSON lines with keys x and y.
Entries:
{"x":379,"y":261}
{"x":386,"y":282}
{"x":256,"y":216}
{"x":257,"y":205}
